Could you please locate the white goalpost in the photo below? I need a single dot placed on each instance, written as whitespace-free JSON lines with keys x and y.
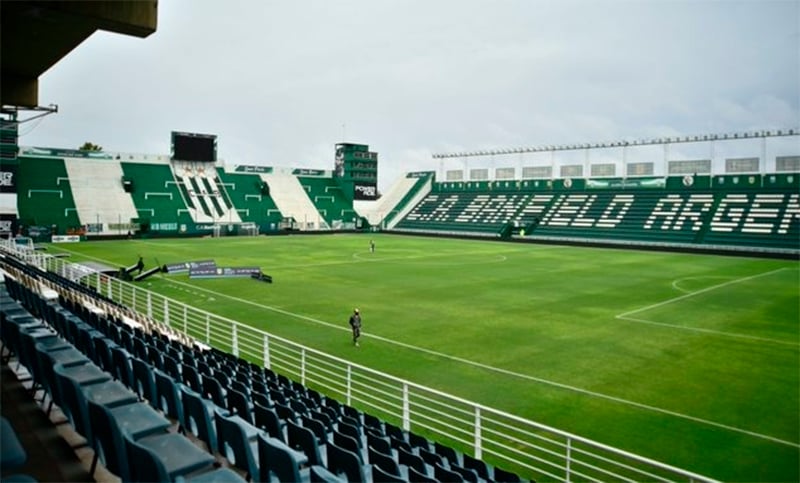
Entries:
{"x":248,"y":229}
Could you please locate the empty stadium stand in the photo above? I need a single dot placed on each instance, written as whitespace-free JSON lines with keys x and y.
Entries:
{"x":98,"y":192}
{"x":157,"y":196}
{"x":761,"y":217}
{"x":327,"y":197}
{"x":757,"y":213}
{"x":44,"y":195}
{"x":293,"y":202}
{"x":249,"y":195}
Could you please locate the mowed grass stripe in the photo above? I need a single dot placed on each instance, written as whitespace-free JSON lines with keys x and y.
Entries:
{"x":547,"y":311}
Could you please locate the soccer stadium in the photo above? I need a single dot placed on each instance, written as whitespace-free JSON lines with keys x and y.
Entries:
{"x":594,"y":311}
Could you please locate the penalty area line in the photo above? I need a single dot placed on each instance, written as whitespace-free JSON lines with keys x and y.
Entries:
{"x":627,"y":315}
{"x":698,"y":292}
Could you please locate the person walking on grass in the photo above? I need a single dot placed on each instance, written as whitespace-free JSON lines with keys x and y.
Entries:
{"x":355,"y":324}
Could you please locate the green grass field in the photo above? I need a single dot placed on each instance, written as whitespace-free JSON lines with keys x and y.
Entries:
{"x":693,"y":360}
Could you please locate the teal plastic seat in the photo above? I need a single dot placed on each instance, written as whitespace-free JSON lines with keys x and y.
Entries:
{"x":237,"y":441}
{"x":198,"y":416}
{"x":286,"y":464}
{"x":137,"y":420}
{"x":164,"y":458}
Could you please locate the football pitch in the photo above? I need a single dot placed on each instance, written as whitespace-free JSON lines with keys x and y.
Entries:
{"x":692,"y":360}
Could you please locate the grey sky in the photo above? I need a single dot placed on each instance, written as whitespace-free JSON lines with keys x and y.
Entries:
{"x":281,"y":82}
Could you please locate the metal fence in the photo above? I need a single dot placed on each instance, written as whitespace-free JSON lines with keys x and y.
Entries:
{"x":533,"y":450}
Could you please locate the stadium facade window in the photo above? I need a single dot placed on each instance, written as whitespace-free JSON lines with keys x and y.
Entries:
{"x":640,"y":169}
{"x":787,"y":164}
{"x":689,"y":166}
{"x":479,"y":174}
{"x":537,"y":172}
{"x":454,"y":175}
{"x":741,"y":165}
{"x":571,"y":171}
{"x":504,"y":173}
{"x":604,"y":169}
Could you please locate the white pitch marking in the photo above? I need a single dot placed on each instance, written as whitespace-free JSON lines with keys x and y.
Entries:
{"x":625,"y":316}
{"x":712,"y":331}
{"x":510,"y":373}
{"x":677,"y":281}
{"x":490,"y":258}
{"x":500,"y":370}
{"x":698,"y":292}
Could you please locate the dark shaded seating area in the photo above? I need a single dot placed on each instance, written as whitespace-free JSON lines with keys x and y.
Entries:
{"x":152,"y":408}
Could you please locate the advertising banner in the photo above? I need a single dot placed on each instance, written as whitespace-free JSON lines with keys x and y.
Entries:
{"x":223,"y":272}
{"x":365,"y":191}
{"x":187,"y":266}
{"x":622,"y":183}
{"x":242,"y":168}
{"x":65,"y":239}
{"x":8,"y":225}
{"x":8,"y":178}
{"x":64,"y":153}
{"x":308,"y":172}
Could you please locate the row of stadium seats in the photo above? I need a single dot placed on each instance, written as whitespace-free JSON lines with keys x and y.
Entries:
{"x":755,"y":219}
{"x":263,"y":424}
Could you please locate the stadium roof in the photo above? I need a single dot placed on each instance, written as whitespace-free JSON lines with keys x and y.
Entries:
{"x":37,"y":34}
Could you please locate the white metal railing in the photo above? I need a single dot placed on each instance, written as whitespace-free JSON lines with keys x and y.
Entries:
{"x":533,"y":450}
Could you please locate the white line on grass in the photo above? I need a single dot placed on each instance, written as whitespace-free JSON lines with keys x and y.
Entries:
{"x":492,"y":368}
{"x":713,"y":332}
{"x":626,"y":315}
{"x":481,"y":259}
{"x":676,"y":283}
{"x":502,"y":371}
{"x":698,"y":292}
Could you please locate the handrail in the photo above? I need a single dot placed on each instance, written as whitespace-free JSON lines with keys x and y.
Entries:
{"x":534,"y":450}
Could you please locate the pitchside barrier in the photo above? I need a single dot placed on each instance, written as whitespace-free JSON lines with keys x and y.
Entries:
{"x":533,"y":450}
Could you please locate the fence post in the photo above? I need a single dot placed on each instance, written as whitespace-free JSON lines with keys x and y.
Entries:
{"x":166,"y":312}
{"x":303,"y":366}
{"x":149,"y":302}
{"x":185,"y":321}
{"x":406,"y":409}
{"x":568,"y":461}
{"x":349,"y":383}
{"x":478,"y":439}
{"x":235,"y":339}
{"x":208,"y":328}
{"x":266,"y":351}
{"x":133,"y":297}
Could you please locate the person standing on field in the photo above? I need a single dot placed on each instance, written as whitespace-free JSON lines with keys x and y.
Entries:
{"x":372,"y":246}
{"x":355,"y":324}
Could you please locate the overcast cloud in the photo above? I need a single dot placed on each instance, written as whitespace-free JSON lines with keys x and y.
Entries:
{"x":281,"y":82}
